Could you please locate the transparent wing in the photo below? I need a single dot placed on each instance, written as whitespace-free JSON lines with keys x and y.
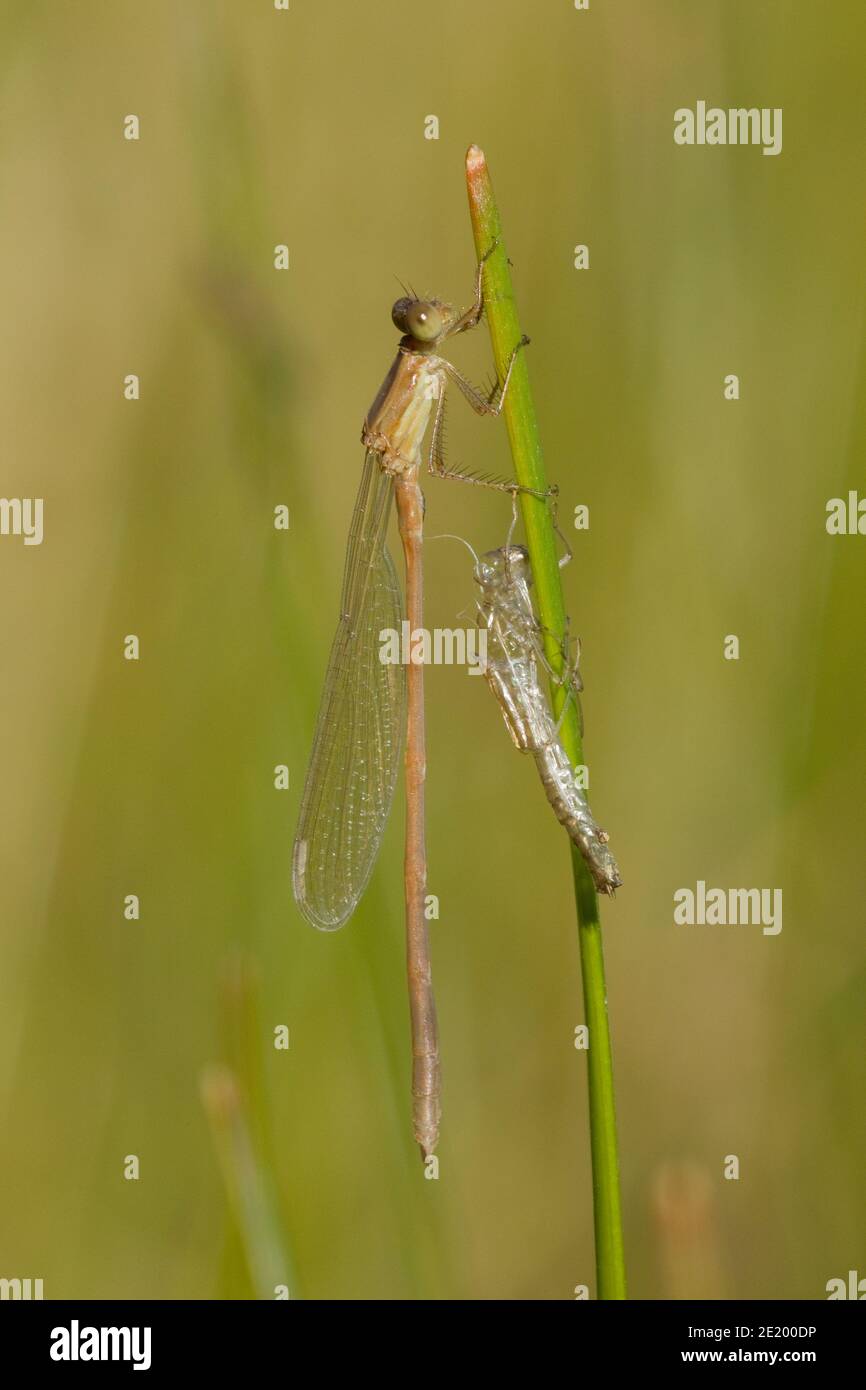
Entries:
{"x":359,"y":733}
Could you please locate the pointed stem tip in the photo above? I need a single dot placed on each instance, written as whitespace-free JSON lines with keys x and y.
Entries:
{"x":477,"y":174}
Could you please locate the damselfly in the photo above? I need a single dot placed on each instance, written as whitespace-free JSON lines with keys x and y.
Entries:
{"x":515,"y":656}
{"x":356,"y":749}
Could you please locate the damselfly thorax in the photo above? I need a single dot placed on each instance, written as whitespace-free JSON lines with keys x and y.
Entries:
{"x":397,"y":421}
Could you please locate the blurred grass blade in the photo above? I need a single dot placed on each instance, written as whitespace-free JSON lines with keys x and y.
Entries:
{"x":247,"y":1184}
{"x":683,"y":1199}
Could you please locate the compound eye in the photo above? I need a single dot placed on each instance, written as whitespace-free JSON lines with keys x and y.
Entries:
{"x":423,"y":321}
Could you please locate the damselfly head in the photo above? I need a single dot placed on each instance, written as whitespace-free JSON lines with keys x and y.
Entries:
{"x":421,"y":319}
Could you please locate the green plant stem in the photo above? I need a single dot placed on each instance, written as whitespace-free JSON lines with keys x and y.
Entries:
{"x":525,"y":443}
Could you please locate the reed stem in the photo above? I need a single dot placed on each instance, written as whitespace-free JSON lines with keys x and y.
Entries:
{"x":525,"y":441}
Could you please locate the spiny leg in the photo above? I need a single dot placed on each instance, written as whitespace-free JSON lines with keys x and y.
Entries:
{"x":554,"y":516}
{"x":436,"y":461}
{"x":481,"y":404}
{"x":513,"y":525}
{"x":569,"y":676}
{"x":471,"y":317}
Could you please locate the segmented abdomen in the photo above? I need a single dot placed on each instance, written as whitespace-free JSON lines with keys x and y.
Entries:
{"x":571,"y":808}
{"x":514,"y":682}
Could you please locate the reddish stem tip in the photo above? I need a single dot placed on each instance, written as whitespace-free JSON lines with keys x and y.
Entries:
{"x":476,"y":159}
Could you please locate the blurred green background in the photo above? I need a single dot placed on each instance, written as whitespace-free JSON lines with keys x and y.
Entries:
{"x":156,"y":778}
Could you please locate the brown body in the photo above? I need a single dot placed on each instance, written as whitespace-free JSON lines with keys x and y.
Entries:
{"x":394,"y":429}
{"x":335,"y":847}
{"x":411,"y":395}
{"x":398,"y":418}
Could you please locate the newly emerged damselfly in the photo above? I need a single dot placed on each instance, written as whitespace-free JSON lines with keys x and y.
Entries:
{"x":359,"y":734}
